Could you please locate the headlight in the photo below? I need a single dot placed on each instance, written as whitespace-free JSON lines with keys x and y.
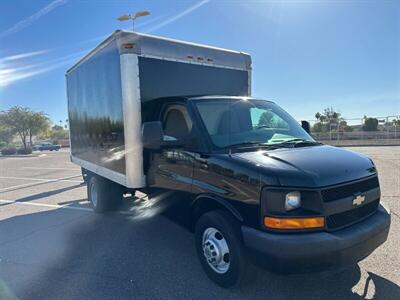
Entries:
{"x":292,"y":200}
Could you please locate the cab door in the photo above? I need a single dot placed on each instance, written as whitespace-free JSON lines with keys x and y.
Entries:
{"x":172,"y":167}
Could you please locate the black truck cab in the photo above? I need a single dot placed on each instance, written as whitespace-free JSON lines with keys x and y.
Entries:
{"x":256,"y":185}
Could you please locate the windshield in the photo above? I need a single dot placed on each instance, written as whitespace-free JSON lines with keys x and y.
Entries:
{"x":245,"y":121}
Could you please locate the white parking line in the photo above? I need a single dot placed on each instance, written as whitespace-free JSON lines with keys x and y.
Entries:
{"x":32,"y":184}
{"x":46,"y":205}
{"x":38,"y":179}
{"x":44,"y":168}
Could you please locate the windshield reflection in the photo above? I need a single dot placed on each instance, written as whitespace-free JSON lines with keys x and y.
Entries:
{"x":235,"y":122}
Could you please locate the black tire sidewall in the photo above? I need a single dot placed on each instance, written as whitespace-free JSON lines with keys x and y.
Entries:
{"x":109,"y":194}
{"x":230,"y":229}
{"x":102,"y":193}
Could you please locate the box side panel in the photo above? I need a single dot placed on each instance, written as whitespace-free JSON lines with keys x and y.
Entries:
{"x":164,"y":78}
{"x":95,"y":111}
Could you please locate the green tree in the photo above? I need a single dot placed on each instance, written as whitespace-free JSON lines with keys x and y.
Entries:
{"x":319,"y":127}
{"x":325,"y":119}
{"x":24,"y":122}
{"x":58,"y":132}
{"x":344,"y":127}
{"x":329,"y":116}
{"x":6,"y":134}
{"x":38,"y":123}
{"x":16,"y":119}
{"x":370,"y":124}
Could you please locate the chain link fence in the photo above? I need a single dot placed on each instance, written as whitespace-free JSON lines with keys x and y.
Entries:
{"x":354,"y":131}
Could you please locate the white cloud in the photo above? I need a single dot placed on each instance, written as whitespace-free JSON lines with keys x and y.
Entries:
{"x":36,"y":16}
{"x":10,"y":74}
{"x":24,"y":55}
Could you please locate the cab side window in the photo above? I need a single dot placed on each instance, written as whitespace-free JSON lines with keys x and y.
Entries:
{"x":176,"y":122}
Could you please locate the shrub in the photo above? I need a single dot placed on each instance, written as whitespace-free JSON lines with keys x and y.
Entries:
{"x":9,"y":151}
{"x":27,"y":150}
{"x":2,"y":144}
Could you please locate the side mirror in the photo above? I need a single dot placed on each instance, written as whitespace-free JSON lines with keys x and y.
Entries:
{"x":152,"y":135}
{"x":306,"y":126}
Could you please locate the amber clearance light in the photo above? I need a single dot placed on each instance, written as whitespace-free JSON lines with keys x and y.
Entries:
{"x":294,"y":223}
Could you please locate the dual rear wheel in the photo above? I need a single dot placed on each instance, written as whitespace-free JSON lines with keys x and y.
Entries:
{"x":103,"y":194}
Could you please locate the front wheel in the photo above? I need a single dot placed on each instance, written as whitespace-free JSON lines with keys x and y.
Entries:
{"x":220,"y":248}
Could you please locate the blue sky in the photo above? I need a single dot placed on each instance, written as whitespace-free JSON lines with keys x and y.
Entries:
{"x":307,"y":55}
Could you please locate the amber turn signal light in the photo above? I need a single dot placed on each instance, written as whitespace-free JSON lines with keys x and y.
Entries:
{"x":128,"y":46}
{"x":294,"y":223}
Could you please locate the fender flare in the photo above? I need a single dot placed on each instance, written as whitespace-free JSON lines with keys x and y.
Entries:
{"x":222,"y":202}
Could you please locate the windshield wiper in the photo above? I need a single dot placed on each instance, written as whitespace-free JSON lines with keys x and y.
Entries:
{"x":246,"y":144}
{"x":298,"y":142}
{"x":262,"y":126}
{"x":288,"y":143}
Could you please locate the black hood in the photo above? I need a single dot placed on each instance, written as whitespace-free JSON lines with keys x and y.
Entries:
{"x":314,"y":166}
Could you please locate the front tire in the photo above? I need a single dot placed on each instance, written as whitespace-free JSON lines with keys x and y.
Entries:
{"x":220,"y":248}
{"x":103,"y":194}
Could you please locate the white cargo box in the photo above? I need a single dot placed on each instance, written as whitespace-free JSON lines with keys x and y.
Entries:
{"x":106,"y":87}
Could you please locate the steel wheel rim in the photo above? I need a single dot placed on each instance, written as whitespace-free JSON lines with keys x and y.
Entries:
{"x":93,"y":194}
{"x":216,"y":250}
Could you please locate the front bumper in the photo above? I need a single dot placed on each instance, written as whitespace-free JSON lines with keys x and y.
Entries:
{"x":305,"y":252}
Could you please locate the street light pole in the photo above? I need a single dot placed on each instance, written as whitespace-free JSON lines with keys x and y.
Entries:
{"x":133,"y":17}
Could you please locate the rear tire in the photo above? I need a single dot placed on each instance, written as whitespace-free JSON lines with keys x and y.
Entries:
{"x":220,"y":248}
{"x":103,"y":194}
{"x":85,"y":175}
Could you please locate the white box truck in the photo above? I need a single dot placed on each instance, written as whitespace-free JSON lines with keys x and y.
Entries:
{"x":152,"y":113}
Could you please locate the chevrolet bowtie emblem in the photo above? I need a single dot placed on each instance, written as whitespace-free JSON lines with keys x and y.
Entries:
{"x":358,"y":200}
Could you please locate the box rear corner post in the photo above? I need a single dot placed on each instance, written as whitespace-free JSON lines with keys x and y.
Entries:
{"x":132,"y":120}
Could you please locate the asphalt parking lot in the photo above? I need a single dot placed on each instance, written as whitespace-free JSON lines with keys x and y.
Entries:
{"x":52,"y":246}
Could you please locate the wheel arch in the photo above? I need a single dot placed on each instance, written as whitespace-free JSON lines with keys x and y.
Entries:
{"x":206,"y":202}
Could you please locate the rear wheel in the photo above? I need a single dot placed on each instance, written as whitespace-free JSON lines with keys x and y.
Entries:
{"x":85,"y":175}
{"x":220,"y":249}
{"x":104,"y":194}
